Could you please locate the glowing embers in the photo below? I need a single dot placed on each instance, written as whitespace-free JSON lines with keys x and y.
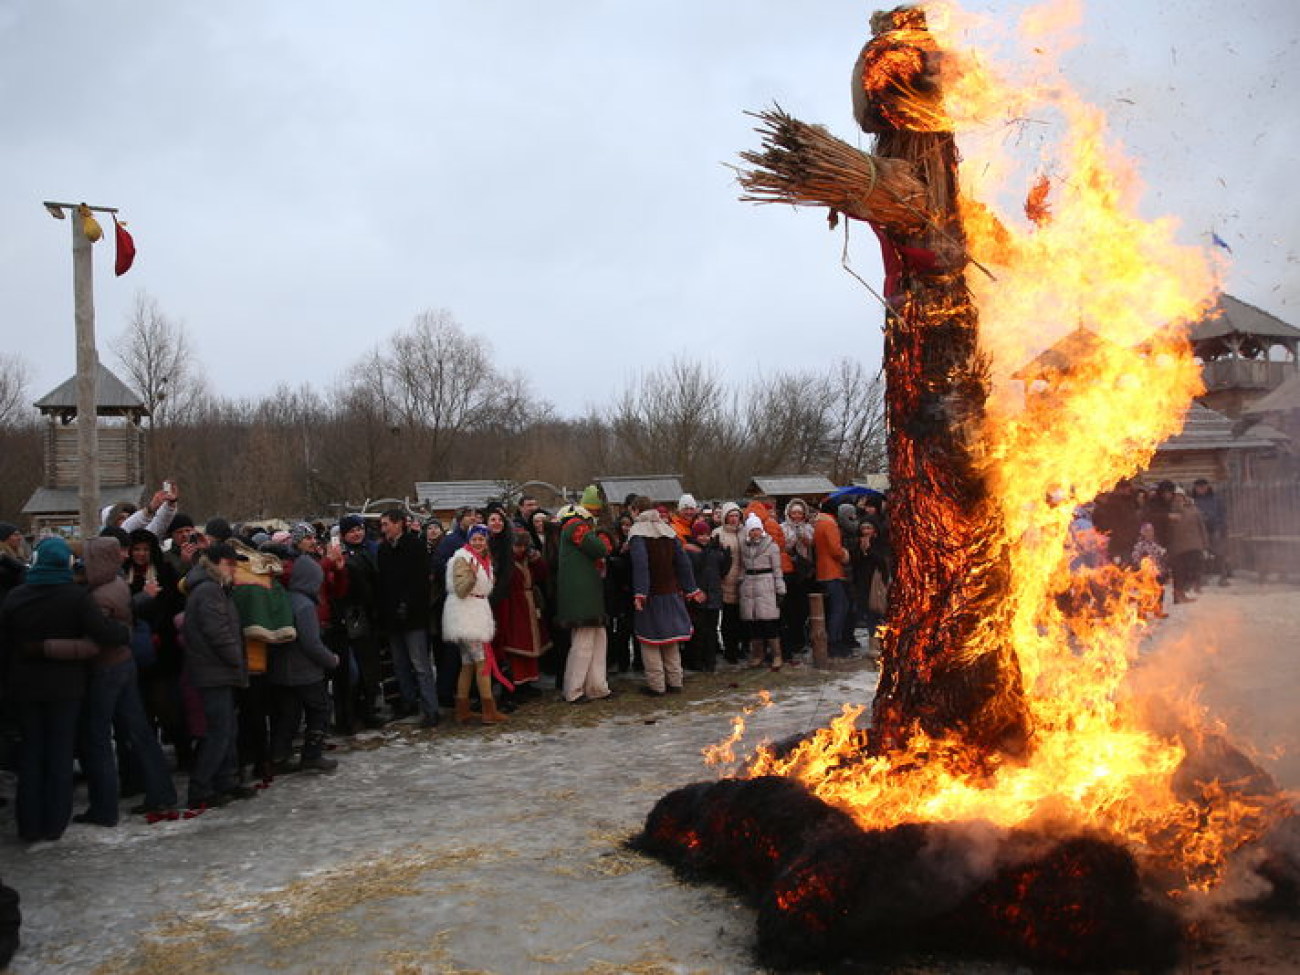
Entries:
{"x":826,"y":889}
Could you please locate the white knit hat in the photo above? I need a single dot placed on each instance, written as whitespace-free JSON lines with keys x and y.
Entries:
{"x":752,"y":522}
{"x":687,"y":501}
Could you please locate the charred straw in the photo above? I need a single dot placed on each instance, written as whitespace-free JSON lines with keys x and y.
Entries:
{"x":804,"y":165}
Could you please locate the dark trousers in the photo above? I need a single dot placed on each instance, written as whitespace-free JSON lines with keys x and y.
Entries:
{"x":703,"y":645}
{"x":837,"y":612}
{"x":448,"y":669}
{"x":620,"y":642}
{"x":733,"y":633}
{"x":366,"y":676}
{"x":113,"y":701}
{"x":342,"y":680}
{"x":215,"y":765}
{"x":290,"y":704}
{"x":253,"y":742}
{"x":794,"y":615}
{"x":1186,"y":568}
{"x":163,"y":703}
{"x":49,"y":735}
{"x":414,"y":668}
{"x":556,"y":659}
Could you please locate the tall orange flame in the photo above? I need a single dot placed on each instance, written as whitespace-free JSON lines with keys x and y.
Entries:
{"x":1090,"y":265}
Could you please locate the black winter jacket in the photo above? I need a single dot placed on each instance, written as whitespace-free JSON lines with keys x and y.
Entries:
{"x":404,"y":584}
{"x":32,"y":614}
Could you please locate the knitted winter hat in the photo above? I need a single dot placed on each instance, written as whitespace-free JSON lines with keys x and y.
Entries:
{"x":752,"y":522}
{"x":479,"y":529}
{"x":7,"y":530}
{"x":217,"y":528}
{"x":51,"y":563}
{"x":301,"y":531}
{"x":591,"y":498}
{"x":180,"y":521}
{"x":349,"y":522}
{"x":687,"y":501}
{"x":701,"y":528}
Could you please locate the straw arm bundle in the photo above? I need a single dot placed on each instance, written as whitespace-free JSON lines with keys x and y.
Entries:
{"x":805,"y":165}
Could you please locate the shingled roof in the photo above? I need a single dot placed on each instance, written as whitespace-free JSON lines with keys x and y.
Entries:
{"x":447,"y":495}
{"x":790,"y":485}
{"x":659,"y":488}
{"x":1207,"y":429}
{"x":1234,"y":315}
{"x":112,"y":396}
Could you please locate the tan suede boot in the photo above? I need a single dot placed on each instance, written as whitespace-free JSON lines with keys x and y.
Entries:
{"x":775,"y":647}
{"x":463,"y":681}
{"x":463,"y":713}
{"x":755,"y":654}
{"x":490,"y":713}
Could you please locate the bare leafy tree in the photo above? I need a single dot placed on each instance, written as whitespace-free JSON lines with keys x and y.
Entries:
{"x":365,"y":451}
{"x":442,"y":383}
{"x":15,"y":374}
{"x":787,"y":418}
{"x":856,"y":430}
{"x":678,"y":419}
{"x":20,"y":438}
{"x":158,"y":362}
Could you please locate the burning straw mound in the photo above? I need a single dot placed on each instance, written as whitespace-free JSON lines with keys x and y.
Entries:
{"x":826,"y":889}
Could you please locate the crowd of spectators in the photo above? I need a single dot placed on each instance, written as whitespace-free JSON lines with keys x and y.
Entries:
{"x":1181,"y":534}
{"x":161,"y":652}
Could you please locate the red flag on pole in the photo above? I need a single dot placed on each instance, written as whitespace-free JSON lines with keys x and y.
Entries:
{"x":125,"y":248}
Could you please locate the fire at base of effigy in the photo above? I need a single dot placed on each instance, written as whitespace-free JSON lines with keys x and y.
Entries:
{"x":1014,"y":795}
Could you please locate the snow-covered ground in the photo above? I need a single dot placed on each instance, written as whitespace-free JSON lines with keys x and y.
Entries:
{"x":452,"y":850}
{"x":498,"y":850}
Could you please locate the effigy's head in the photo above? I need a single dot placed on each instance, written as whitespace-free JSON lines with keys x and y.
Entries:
{"x":896,"y":77}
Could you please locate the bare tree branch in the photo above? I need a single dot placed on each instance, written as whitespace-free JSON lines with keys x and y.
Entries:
{"x":15,"y":374}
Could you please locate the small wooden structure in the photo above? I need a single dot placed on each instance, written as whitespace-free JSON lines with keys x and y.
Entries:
{"x":442,"y":498}
{"x":781,"y":488}
{"x":1245,"y":352}
{"x":1208,"y":446}
{"x":55,"y":505}
{"x":659,"y":488}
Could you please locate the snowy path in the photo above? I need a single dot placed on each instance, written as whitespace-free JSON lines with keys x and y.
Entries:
{"x":493,"y":851}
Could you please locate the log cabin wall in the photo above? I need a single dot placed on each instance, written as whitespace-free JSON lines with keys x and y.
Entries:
{"x":121,"y":455}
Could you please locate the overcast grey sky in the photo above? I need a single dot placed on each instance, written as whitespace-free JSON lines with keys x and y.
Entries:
{"x":303,"y":178}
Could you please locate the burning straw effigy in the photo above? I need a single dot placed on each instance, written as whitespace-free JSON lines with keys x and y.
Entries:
{"x":974,"y":815}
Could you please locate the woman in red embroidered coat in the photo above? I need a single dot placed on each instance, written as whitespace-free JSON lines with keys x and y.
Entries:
{"x":522,"y":635}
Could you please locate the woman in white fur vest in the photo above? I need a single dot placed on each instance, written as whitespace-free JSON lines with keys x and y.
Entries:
{"x":467,"y":621}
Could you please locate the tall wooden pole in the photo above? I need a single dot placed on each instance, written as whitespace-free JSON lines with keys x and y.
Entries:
{"x":83,"y":290}
{"x":83,"y":298}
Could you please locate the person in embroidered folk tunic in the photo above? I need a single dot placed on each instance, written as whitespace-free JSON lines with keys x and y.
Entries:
{"x":580,"y":598}
{"x":522,"y":634}
{"x":661,"y":582}
{"x":467,"y":621}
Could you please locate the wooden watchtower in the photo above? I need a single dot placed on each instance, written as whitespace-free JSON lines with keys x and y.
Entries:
{"x":54,"y":506}
{"x":1245,"y":353}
